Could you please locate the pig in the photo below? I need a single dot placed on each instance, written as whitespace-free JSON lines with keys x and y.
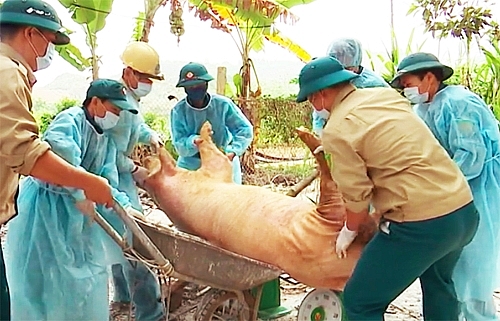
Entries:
{"x":292,"y":234}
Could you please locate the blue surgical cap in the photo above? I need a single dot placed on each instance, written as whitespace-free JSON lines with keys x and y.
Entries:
{"x":347,"y":51}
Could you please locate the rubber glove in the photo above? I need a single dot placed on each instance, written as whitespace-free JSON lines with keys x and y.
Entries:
{"x":133,"y":212}
{"x":140,"y":174}
{"x":345,"y":238}
{"x":87,"y":207}
{"x":156,"y":142}
{"x":318,"y":150}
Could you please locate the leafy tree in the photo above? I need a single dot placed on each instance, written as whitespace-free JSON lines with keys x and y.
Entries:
{"x":466,"y":20}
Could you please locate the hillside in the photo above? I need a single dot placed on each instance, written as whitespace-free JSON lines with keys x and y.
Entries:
{"x":274,"y":77}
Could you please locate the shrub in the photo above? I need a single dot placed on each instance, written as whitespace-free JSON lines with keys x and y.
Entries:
{"x":278,"y":118}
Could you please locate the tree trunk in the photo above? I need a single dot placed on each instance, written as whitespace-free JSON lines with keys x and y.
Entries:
{"x":147,"y":29}
{"x":248,"y":106}
{"x":149,"y":16}
{"x":95,"y":63}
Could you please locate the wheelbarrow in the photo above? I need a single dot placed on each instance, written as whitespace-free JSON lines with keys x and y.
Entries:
{"x":235,"y":282}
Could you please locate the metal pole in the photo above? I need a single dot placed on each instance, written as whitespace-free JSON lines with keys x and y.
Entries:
{"x":144,"y":240}
{"x":111,"y":231}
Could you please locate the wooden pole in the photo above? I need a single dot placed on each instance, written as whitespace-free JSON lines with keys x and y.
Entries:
{"x":300,"y":186}
{"x":221,"y":80}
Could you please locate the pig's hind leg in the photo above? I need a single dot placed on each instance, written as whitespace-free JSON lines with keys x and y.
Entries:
{"x":213,"y":161}
{"x":331,"y":205}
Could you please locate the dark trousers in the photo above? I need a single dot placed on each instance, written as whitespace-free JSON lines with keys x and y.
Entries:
{"x":4,"y":292}
{"x":394,"y":259}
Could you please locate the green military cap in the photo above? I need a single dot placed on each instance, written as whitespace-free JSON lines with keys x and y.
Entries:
{"x":34,"y":13}
{"x":321,"y":73}
{"x":419,"y":61}
{"x":112,"y":91}
{"x":193,"y":74}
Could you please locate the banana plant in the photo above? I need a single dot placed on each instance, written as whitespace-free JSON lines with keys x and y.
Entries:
{"x":492,"y":76}
{"x":91,"y":15}
{"x":71,"y":54}
{"x":393,"y":55}
{"x":250,"y":23}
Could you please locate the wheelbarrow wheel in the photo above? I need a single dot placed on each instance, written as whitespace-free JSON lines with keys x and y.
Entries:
{"x":220,"y":305}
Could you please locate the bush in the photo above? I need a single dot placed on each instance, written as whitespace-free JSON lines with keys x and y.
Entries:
{"x":161,"y":124}
{"x":45,"y":117}
{"x":279,"y":117}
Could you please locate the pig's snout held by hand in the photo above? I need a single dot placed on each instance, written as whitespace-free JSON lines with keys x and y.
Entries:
{"x":295,"y":235}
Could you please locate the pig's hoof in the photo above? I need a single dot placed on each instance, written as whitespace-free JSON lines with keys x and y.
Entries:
{"x":206,"y":130}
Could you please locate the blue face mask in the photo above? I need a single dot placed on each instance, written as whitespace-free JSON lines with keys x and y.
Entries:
{"x":196,"y":93}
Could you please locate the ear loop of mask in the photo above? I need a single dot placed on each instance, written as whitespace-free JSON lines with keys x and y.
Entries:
{"x":33,"y":46}
{"x":99,"y":106}
{"x":428,"y":86}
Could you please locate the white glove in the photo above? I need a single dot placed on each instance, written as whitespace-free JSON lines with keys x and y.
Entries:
{"x":345,"y":238}
{"x":133,"y":212}
{"x":156,"y":142}
{"x":140,"y":174}
{"x":319,"y":149}
{"x":87,"y":207}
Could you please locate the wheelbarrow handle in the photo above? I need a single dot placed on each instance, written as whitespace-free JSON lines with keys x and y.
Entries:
{"x":142,"y":237}
{"x":111,"y":231}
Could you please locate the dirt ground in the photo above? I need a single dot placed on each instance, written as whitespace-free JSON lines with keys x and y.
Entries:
{"x":408,"y":306}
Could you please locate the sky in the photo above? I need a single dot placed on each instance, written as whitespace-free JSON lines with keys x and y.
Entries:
{"x":320,"y":22}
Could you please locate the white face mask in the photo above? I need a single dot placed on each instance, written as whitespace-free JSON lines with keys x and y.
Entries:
{"x":415,"y":96}
{"x":142,"y":89}
{"x":323,"y":113}
{"x":108,"y":121}
{"x":44,"y":61}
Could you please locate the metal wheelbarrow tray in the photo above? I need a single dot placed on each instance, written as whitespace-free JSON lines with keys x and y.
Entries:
{"x":188,"y":258}
{"x":199,"y":261}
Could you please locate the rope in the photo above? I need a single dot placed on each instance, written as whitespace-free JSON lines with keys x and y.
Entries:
{"x":150,"y":264}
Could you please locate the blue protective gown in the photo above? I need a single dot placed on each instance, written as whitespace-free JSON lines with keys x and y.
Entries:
{"x":231,"y":131}
{"x":466,"y":127}
{"x":56,"y":258}
{"x":133,"y":282}
{"x":130,"y":131}
{"x":366,"y":79}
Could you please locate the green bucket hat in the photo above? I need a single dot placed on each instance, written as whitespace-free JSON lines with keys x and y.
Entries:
{"x":418,"y":62}
{"x":113,"y":91}
{"x":33,"y":13}
{"x":321,"y":73}
{"x":193,"y":74}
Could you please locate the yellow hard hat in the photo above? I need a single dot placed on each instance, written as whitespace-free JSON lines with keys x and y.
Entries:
{"x":141,"y":57}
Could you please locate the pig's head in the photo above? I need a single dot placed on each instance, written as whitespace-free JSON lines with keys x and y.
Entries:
{"x":158,"y":168}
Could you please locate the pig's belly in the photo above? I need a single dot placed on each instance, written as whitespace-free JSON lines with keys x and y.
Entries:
{"x":261,"y":224}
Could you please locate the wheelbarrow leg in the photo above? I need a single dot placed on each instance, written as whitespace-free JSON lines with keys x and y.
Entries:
{"x":254,"y":305}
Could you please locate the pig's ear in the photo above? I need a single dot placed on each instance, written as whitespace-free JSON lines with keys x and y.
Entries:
{"x":167,"y":163}
{"x":153,"y":165}
{"x":161,"y":163}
